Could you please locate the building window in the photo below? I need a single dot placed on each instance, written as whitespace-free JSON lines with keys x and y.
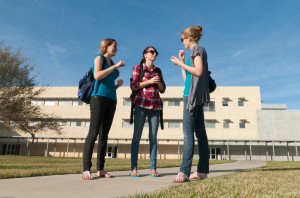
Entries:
{"x":241,"y":103}
{"x":64,"y":103}
{"x":126,"y":102}
{"x":75,"y":123}
{"x":62,"y":123}
{"x":111,"y":152}
{"x":49,"y":103}
{"x":242,"y":124}
{"x":165,"y":102}
{"x":32,"y":123}
{"x":226,"y":124}
{"x":36,"y":103}
{"x":77,"y":103}
{"x":10,"y":149}
{"x":215,"y":153}
{"x":87,"y":124}
{"x":146,"y":124}
{"x":174,"y":103}
{"x":126,"y":124}
{"x":209,"y":106}
{"x":210,"y":124}
{"x":173,"y":124}
{"x":225,"y":103}
{"x":13,"y":124}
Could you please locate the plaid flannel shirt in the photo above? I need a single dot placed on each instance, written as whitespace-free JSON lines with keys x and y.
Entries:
{"x":147,"y":97}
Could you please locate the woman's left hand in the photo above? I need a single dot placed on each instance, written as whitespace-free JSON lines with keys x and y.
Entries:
{"x":119,"y":83}
{"x":176,"y":60}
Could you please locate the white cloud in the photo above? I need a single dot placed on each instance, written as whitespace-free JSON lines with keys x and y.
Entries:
{"x":55,"y":52}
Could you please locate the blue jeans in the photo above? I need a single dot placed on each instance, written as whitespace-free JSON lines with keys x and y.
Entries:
{"x":140,"y":115}
{"x":194,"y":123}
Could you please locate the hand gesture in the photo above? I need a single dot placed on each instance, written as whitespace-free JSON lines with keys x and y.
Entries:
{"x":120,"y":82}
{"x":120,"y":64}
{"x":181,"y":55}
{"x":176,"y":60}
{"x":155,"y":80}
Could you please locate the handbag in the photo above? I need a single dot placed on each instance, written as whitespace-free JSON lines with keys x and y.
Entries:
{"x":212,"y":83}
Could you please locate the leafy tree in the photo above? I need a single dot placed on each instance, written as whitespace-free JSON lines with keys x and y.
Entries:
{"x":17,"y":90}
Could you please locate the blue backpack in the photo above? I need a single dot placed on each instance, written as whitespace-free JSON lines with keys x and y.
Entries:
{"x":86,"y":86}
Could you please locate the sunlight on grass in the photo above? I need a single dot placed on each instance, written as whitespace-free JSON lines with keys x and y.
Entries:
{"x":277,"y":179}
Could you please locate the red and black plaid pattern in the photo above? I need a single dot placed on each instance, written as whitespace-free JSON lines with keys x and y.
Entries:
{"x":147,"y":97}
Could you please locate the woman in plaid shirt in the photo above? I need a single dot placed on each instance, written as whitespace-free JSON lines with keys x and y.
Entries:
{"x":147,"y":104}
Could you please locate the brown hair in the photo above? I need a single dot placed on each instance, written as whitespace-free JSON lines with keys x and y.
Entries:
{"x":195,"y":32}
{"x":105,"y":43}
{"x":103,"y":48}
{"x":145,"y":51}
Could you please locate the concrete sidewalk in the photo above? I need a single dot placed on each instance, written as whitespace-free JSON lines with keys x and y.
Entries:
{"x":65,"y":186}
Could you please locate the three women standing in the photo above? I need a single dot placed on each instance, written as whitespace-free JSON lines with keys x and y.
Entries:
{"x":148,"y":105}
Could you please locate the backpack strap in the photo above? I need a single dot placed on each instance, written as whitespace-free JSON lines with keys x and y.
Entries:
{"x":161,"y":120}
{"x":141,"y":75}
{"x":161,"y":111}
{"x":103,"y":63}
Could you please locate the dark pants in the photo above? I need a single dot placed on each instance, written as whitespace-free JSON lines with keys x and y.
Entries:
{"x":102,"y":114}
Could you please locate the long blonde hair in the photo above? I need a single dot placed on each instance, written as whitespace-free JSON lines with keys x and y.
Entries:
{"x":105,"y":43}
{"x":195,"y":32}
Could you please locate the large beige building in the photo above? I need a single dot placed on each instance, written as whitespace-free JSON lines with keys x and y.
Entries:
{"x":231,"y":120}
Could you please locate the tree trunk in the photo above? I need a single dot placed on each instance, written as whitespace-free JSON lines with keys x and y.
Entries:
{"x":31,"y":145}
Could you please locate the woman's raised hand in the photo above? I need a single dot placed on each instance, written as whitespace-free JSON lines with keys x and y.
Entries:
{"x":120,"y":64}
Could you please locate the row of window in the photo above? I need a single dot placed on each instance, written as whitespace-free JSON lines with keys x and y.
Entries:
{"x":176,"y":124}
{"x":80,"y":103}
{"x":241,"y":102}
{"x":170,"y":124}
{"x":126,"y":102}
{"x":208,"y":106}
{"x":57,"y":103}
{"x":63,"y":123}
{"x":125,"y":123}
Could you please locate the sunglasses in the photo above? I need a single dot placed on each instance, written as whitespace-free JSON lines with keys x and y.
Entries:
{"x":182,"y":39}
{"x":153,"y":52}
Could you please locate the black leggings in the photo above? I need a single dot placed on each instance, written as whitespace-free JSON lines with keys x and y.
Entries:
{"x":102,"y":113}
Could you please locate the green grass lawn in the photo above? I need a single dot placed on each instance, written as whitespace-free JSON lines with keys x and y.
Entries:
{"x":23,"y":166}
{"x":277,"y":179}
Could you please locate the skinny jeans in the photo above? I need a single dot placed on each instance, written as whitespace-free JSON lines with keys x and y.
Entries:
{"x":194,"y":123}
{"x":140,"y":115}
{"x":102,"y":110}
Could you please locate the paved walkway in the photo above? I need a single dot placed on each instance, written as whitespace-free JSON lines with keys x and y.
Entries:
{"x":65,"y":186}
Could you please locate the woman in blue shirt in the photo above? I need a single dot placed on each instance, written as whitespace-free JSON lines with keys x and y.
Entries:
{"x":102,"y":106}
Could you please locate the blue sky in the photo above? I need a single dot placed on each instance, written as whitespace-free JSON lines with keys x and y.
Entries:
{"x":249,"y":43}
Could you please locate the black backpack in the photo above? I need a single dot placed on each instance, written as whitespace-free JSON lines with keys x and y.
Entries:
{"x":212,"y":83}
{"x":134,"y":92}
